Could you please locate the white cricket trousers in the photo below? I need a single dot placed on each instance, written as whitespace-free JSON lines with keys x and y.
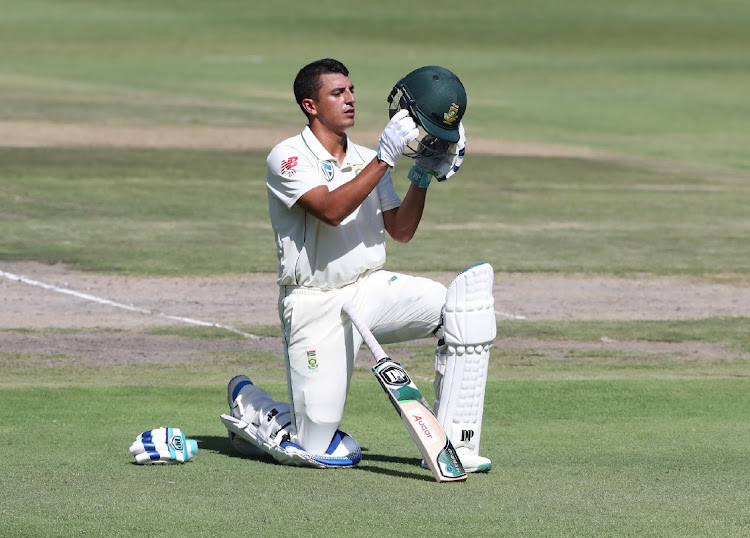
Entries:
{"x":321,"y":344}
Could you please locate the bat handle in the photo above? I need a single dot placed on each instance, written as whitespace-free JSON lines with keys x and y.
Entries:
{"x":377,"y":351}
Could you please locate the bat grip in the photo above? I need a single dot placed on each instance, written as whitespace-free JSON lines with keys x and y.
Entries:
{"x":350,"y":310}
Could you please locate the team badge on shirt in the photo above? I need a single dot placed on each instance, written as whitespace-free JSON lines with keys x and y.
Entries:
{"x":287,"y":166}
{"x":327,"y":169}
{"x":312,"y":360}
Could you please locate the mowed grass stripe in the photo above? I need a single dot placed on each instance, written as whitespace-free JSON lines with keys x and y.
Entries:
{"x":186,"y":212}
{"x":662,"y":457}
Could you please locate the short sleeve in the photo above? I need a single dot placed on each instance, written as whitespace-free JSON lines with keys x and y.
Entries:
{"x":290,"y":174}
{"x":387,"y":194}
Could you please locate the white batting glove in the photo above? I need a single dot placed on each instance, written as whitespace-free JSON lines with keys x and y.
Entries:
{"x":438,"y":159}
{"x":397,"y":134}
{"x":163,"y":445}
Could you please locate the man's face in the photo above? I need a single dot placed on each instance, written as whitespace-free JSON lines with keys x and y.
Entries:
{"x":334,"y":106}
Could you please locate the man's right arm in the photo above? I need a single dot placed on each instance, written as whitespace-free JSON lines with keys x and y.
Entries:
{"x":332,"y":207}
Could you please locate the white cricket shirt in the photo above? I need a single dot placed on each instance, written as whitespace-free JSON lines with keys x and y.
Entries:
{"x":311,"y":253}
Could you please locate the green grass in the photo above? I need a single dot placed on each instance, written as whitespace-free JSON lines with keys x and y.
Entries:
{"x":553,"y":349}
{"x":731,"y":331}
{"x":663,"y":84}
{"x":618,"y":455}
{"x":585,"y":442}
{"x":167,"y":212}
{"x":667,"y":78}
{"x":186,"y":212}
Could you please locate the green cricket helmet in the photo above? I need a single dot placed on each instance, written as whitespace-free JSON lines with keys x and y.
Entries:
{"x":435,"y":98}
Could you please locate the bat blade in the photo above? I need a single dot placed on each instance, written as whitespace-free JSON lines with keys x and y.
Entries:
{"x":425,"y":429}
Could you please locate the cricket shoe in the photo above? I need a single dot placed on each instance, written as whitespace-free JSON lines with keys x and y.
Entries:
{"x":472,"y":463}
{"x":241,"y":446}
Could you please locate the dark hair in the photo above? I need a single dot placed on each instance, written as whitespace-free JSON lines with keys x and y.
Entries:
{"x":307,"y":83}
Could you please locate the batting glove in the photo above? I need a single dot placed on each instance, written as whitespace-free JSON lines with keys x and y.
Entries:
{"x":397,"y":134}
{"x":438,"y":159}
{"x":163,"y":445}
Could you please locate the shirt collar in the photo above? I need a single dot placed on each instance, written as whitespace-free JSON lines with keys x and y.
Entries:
{"x":352,"y":155}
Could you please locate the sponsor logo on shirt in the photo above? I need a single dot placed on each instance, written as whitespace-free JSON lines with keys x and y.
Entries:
{"x":287,"y":166}
{"x":327,"y":169}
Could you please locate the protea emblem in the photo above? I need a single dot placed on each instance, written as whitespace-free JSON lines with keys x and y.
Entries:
{"x":452,"y":115}
{"x":312,"y":360}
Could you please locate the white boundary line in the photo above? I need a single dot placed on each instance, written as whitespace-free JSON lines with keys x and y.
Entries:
{"x":87,"y":297}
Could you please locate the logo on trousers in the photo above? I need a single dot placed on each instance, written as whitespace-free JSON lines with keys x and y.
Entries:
{"x":312,"y":360}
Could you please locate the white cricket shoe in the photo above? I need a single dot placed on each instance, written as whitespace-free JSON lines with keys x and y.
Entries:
{"x":473,"y":463}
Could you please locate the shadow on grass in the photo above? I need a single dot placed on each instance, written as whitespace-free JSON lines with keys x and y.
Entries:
{"x":221,"y":445}
{"x":394,"y":472}
{"x":412,"y":463}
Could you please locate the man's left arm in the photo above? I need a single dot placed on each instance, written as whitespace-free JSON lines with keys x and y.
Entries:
{"x":401,"y":222}
{"x":436,"y":159}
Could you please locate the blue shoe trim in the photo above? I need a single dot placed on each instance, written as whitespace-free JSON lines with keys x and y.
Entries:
{"x":473,"y":266}
{"x":353,"y":458}
{"x":336,"y":441}
{"x":238,"y":387}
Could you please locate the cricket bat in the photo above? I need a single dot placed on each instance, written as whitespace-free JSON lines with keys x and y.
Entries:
{"x":425,"y":429}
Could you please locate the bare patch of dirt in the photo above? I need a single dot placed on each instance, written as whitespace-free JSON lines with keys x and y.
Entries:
{"x":101,"y":320}
{"x":47,"y":134}
{"x":120,"y":348}
{"x":38,"y":296}
{"x":559,"y":349}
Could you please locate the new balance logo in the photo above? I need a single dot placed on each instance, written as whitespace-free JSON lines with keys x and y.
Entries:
{"x":466,"y":435}
{"x":287,"y":166}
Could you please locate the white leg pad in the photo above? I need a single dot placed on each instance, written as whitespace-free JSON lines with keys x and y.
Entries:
{"x":266,"y":424}
{"x":462,"y":357}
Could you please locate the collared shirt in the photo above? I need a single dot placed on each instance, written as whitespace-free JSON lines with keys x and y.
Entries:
{"x":311,"y":253}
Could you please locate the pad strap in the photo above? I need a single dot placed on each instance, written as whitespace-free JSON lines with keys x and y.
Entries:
{"x":266,"y":424}
{"x":469,"y":315}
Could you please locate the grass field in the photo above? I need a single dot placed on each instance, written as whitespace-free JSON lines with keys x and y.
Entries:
{"x":583,"y":442}
{"x":619,"y":456}
{"x":180,"y":212}
{"x":665,"y":79}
